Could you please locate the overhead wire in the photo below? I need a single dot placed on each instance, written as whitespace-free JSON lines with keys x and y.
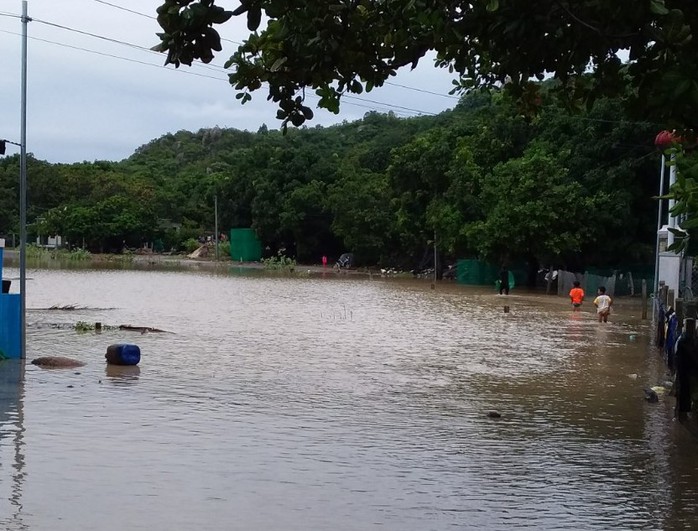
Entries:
{"x":422,"y":90}
{"x":217,"y":68}
{"x":389,"y":106}
{"x":112,"y":56}
{"x":145,"y":15}
{"x":122,"y":8}
{"x":220,"y":68}
{"x":183,"y":71}
{"x":125,"y":43}
{"x":399,"y":85}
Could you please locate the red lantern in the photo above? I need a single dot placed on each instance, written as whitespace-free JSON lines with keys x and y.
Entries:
{"x":666,"y":138}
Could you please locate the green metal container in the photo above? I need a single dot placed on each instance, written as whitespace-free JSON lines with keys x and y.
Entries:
{"x":245,"y":246}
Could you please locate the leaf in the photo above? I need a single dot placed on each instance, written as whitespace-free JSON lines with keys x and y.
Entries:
{"x":278,"y":64}
{"x":219,"y":15}
{"x":658,"y":8}
{"x":691,"y":223}
{"x":297,"y":119}
{"x":493,"y":5}
{"x":254,"y":17}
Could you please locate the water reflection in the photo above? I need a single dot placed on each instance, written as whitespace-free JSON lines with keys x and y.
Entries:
{"x":122,"y":374}
{"x":12,"y":443}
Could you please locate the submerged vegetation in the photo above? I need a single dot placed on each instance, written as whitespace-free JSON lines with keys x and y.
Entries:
{"x":36,"y":253}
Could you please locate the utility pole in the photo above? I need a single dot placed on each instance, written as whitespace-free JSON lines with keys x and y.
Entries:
{"x":655,"y":287}
{"x":23,"y":193}
{"x":433,"y":284}
{"x":215,"y":209}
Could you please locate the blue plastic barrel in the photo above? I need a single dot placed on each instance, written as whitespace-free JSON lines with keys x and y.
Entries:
{"x":123,"y":354}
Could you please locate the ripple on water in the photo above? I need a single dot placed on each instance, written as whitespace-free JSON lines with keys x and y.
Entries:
{"x":323,"y":403}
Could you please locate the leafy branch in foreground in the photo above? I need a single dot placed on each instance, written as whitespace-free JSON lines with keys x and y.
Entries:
{"x":336,"y":47}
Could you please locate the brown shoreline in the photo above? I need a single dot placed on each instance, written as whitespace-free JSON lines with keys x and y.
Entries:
{"x":170,"y":261}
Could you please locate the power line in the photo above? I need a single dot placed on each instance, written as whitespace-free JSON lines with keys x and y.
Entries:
{"x":605,"y":120}
{"x":215,"y":68}
{"x":115,"y":6}
{"x":104,"y":54}
{"x":124,"y":43}
{"x":87,"y":33}
{"x":390,"y":105}
{"x":210,"y":67}
{"x":422,"y":90}
{"x":416,"y":89}
{"x":124,"y":9}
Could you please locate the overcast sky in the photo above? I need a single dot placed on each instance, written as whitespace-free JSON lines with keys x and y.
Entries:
{"x":90,"y":98}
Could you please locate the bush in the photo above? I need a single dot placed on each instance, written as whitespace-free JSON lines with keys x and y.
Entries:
{"x":190,"y":245}
{"x":279,"y":262}
{"x":79,"y":254}
{"x":224,"y":250}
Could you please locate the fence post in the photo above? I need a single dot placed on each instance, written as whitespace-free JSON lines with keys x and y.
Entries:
{"x":644,"y":298}
{"x":663,"y":293}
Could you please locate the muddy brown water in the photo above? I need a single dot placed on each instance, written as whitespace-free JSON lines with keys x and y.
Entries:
{"x":326,"y":403}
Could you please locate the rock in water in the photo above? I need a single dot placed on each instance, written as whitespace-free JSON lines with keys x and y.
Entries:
{"x":56,"y":362}
{"x":494,"y":414}
{"x":651,"y":396}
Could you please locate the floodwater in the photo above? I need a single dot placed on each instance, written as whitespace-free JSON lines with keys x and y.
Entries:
{"x":342,"y":404}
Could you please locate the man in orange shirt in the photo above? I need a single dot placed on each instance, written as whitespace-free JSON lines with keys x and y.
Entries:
{"x":576,"y":296}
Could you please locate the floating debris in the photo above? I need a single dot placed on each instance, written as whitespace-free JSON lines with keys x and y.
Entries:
{"x":142,"y":329}
{"x":65,"y":307}
{"x":83,"y":326}
{"x":56,"y":362}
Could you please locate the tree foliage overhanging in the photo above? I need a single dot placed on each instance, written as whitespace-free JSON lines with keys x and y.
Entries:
{"x":486,"y":180}
{"x":339,"y":46}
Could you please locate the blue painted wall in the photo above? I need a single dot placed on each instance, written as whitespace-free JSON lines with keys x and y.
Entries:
{"x":9,"y":322}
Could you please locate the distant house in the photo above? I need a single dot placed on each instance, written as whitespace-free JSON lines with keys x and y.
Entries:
{"x":49,"y":242}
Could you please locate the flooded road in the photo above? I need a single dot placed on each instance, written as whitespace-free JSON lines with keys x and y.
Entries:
{"x":345,"y":404}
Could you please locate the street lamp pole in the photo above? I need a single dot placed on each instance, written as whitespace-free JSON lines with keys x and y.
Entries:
{"x":659,"y":224}
{"x":23,"y":193}
{"x":215,"y":214}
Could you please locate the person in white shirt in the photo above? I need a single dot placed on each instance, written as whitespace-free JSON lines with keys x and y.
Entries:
{"x":603,"y":304}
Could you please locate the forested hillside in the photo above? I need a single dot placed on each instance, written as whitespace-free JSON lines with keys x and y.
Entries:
{"x":490,"y":182}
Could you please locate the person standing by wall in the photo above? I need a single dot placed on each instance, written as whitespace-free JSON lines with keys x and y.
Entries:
{"x":576,"y":296}
{"x":603,"y":304}
{"x":686,"y":354}
{"x":504,"y":281}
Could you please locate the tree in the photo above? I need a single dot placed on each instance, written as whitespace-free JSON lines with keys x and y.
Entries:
{"x":533,"y":210}
{"x":340,"y":46}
